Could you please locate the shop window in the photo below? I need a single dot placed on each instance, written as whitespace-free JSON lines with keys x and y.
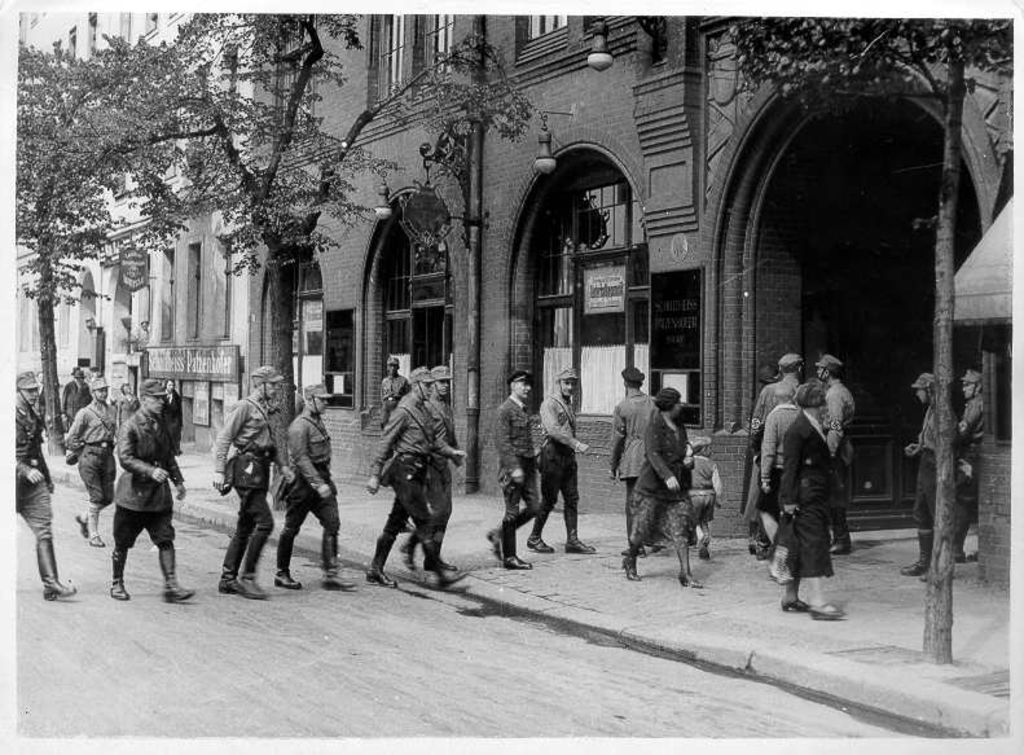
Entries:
{"x":340,"y":357}
{"x":195,"y":290}
{"x":592,"y":292}
{"x":167,"y":297}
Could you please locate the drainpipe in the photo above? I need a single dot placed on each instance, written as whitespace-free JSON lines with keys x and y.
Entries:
{"x":474,"y":215}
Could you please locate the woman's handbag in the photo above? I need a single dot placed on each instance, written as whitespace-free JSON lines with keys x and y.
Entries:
{"x":782,"y":563}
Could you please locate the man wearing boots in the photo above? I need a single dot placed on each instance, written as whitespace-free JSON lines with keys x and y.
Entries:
{"x":248,"y":429}
{"x":309,"y":448}
{"x":629,"y":425}
{"x":517,"y":474}
{"x":558,"y":465}
{"x":392,"y":387}
{"x":143,"y":496}
{"x":836,"y":419}
{"x":34,"y":486}
{"x":924,"y":496}
{"x":407,"y":445}
{"x":92,"y":436}
{"x":970,"y":431}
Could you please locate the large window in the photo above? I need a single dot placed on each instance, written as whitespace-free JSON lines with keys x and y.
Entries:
{"x":592,"y":291}
{"x":439,"y":37}
{"x":195,"y":290}
{"x":392,"y":54}
{"x":340,"y":357}
{"x":308,"y":326}
{"x":541,"y":25}
{"x":222,"y":280}
{"x":167,"y":297}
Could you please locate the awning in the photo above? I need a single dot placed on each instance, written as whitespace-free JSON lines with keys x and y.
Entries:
{"x":984,"y":283}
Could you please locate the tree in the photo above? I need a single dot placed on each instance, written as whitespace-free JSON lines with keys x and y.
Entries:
{"x":829,"y":63}
{"x":247,"y":88}
{"x":71,"y":156}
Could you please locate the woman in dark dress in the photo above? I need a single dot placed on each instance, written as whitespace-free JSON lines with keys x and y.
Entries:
{"x":803,"y":493}
{"x":172,"y":416}
{"x":661,"y":496}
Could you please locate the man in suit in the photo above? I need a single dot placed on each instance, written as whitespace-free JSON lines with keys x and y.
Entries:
{"x":76,"y":396}
{"x":629,"y":425}
{"x":173,"y":415}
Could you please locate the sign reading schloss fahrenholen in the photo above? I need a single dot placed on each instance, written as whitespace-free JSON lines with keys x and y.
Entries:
{"x":218,"y":363}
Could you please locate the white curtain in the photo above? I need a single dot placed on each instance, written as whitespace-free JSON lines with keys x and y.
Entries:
{"x":404,"y":363}
{"x":556,"y":359}
{"x":601,"y":378}
{"x":642,"y":360}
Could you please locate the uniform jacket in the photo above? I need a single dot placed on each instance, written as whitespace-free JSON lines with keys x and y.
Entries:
{"x":309,"y":448}
{"x":558,"y":422}
{"x":393,"y":388}
{"x":780,"y":419}
{"x":412,"y":430}
{"x":248,"y":426}
{"x":76,"y":397}
{"x":629,"y":426}
{"x":767,"y":399}
{"x":970,"y":431}
{"x":126,"y":407}
{"x":837,"y":415}
{"x":96,"y":423}
{"x":28,"y":442}
{"x":446,"y":421}
{"x":665,"y":457}
{"x":806,"y":464}
{"x":143,"y":445}
{"x":926,"y":438}
{"x":512,"y":436}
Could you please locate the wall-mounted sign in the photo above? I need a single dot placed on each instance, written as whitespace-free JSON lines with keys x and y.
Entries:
{"x":218,"y":363}
{"x":201,"y":404}
{"x":675,"y":320}
{"x":134,"y":269}
{"x":604,"y":290}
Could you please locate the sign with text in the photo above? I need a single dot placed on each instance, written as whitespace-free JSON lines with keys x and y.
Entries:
{"x":219,"y":363}
{"x":134,"y":269}
{"x":604,"y":290}
{"x":201,"y":404}
{"x":675,"y":320}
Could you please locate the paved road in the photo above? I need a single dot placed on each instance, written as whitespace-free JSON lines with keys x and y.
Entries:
{"x":376,"y":662}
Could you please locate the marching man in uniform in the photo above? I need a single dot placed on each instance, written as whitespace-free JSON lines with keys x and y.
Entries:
{"x":836,"y":419}
{"x":91,"y":437}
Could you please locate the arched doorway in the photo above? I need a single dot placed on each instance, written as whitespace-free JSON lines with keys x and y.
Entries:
{"x":842,"y":248}
{"x":580,"y":283}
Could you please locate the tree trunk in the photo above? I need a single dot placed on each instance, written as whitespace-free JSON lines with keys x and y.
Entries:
{"x":938,"y":626}
{"x":279,"y":302}
{"x":48,"y":361}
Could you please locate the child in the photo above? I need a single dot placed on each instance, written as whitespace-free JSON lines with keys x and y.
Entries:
{"x":706,"y":492}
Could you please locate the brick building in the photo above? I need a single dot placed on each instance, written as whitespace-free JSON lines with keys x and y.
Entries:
{"x":690,"y":228}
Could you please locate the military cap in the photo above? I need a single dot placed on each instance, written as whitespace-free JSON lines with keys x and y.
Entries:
{"x":666,"y":398}
{"x":394,"y":360}
{"x":522,"y":375}
{"x":441,"y":372}
{"x":266,"y":374}
{"x":925,"y":380}
{"x":810,"y":394}
{"x":153,"y":387}
{"x":788,"y":361}
{"x":27,"y":381}
{"x":829,"y":362}
{"x":633,"y":375}
{"x":700,"y":443}
{"x":98,"y":383}
{"x":312,"y":391}
{"x":421,"y":375}
{"x":972,"y":376}
{"x":76,"y":372}
{"x":567,"y":374}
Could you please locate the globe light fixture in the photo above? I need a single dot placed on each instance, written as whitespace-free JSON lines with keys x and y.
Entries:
{"x":599,"y":58}
{"x":383,"y":208}
{"x":544,"y":162}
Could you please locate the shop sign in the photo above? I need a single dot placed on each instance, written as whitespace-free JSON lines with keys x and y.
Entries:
{"x":134,"y":269}
{"x":219,"y":363}
{"x":675,"y":320}
{"x":201,"y":403}
{"x":604,"y":290}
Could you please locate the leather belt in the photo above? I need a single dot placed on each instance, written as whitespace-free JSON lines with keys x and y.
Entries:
{"x":102,"y":444}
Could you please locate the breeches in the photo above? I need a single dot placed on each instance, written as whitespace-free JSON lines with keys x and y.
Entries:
{"x":924,"y":495}
{"x":516,"y":493}
{"x":558,"y":475}
{"x":97,"y":469}
{"x":324,"y":509}
{"x":128,"y":524}
{"x":33,"y":503}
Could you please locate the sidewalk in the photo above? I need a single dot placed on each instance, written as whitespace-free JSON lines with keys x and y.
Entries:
{"x":872,"y":659}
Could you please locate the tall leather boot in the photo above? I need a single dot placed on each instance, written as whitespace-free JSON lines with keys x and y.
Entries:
{"x":408,"y":551}
{"x":438,"y":540}
{"x":283,"y":577}
{"x":232,"y":563}
{"x":117,"y":561}
{"x":247,"y":585}
{"x":572,"y":542}
{"x":924,"y":558}
{"x":445,"y":579}
{"x":52,"y":588}
{"x":173,"y":592}
{"x":535,"y":542}
{"x":375,"y":574}
{"x":629,"y":565}
{"x":508,"y":547}
{"x":329,"y":561}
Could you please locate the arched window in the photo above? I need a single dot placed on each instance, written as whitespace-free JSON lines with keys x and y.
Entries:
{"x":592,"y":287}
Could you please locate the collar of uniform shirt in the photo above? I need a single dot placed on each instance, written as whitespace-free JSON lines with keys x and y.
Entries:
{"x":516,"y":400}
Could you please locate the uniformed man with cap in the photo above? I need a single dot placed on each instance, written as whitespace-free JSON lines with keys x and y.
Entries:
{"x":76,"y":396}
{"x":837,"y":416}
{"x":439,"y":474}
{"x":313,"y":490}
{"x":558,"y":471}
{"x":629,"y":425}
{"x":249,"y":432}
{"x":91,"y":438}
{"x":970,"y":431}
{"x":773,"y":393}
{"x":34,"y":486}
{"x":923,"y":449}
{"x":143,"y":496}
{"x":392,"y":388}
{"x":407,"y":446}
{"x":517,"y":471}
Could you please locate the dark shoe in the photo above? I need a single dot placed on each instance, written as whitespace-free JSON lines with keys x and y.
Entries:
{"x":228,"y":586}
{"x":629,"y":566}
{"x":916,"y":569}
{"x":378,"y":577}
{"x":248,"y":588}
{"x":177,"y":594}
{"x":827,"y":612}
{"x":97,"y":542}
{"x":444,"y":581}
{"x":578,"y":546}
{"x":797,"y":606}
{"x":687,"y":580}
{"x":704,"y":554}
{"x":494,"y":538}
{"x":514,"y":562}
{"x":83,"y":525}
{"x":539,"y":546}
{"x":117,"y":591}
{"x":841,"y":548}
{"x":52,"y":587}
{"x":284,"y":579}
{"x":334,"y":582}
{"x":440,"y":563}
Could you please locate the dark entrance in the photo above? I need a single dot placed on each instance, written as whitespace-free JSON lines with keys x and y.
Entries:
{"x":847,"y":223}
